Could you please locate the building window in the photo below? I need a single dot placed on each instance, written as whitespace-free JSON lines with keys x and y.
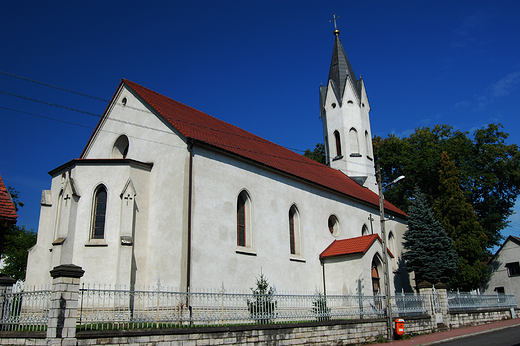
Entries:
{"x":354,"y":141}
{"x":368,"y":143}
{"x":391,"y":242}
{"x":100,"y":209}
{"x":241,"y":221}
{"x":500,"y":290}
{"x":294,"y":231}
{"x":364,"y":230}
{"x":120,"y":149}
{"x":244,"y":234}
{"x":338,"y":143}
{"x":333,"y":225}
{"x":375,"y":279}
{"x":513,"y":269}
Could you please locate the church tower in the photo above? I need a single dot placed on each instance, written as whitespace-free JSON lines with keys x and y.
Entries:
{"x":344,"y":111}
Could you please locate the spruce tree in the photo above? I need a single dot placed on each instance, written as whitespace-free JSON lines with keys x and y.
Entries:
{"x":460,"y":221}
{"x":430,"y":251}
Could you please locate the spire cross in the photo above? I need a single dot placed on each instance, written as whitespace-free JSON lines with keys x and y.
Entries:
{"x":334,"y":19}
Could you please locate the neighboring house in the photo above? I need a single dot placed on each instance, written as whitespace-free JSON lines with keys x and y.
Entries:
{"x":505,"y":269}
{"x":8,"y":214}
{"x":164,"y":192}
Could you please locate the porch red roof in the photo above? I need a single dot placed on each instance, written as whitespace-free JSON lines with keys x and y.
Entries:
{"x":203,"y":128}
{"x":351,"y":246}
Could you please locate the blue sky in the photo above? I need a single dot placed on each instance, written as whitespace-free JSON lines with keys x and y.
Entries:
{"x":254,"y":64}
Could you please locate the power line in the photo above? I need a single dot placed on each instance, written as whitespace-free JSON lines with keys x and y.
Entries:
{"x":44,"y":117}
{"x":54,"y":86}
{"x":91,"y":127}
{"x":103,"y":100}
{"x":49,"y":103}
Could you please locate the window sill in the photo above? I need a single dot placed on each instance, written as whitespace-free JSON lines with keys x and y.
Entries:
{"x":245,"y":251}
{"x":296,"y":258}
{"x":59,"y":241}
{"x":96,"y":242}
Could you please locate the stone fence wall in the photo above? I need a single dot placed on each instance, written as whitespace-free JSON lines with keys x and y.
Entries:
{"x":61,"y":329}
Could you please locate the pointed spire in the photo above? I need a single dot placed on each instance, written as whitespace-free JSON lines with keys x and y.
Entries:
{"x":340,"y":68}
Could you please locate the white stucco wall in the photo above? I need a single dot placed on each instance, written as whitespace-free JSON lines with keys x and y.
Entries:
{"x":160,"y":240}
{"x":218,"y":180}
{"x":509,"y":253}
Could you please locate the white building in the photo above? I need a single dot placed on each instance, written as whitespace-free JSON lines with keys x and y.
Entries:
{"x":165,"y":192}
{"x":505,"y":269}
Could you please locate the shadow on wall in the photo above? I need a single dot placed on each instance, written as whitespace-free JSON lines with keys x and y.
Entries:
{"x":402,"y":278}
{"x":492,"y":268}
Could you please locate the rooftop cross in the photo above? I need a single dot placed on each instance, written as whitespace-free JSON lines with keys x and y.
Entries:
{"x":334,"y":19}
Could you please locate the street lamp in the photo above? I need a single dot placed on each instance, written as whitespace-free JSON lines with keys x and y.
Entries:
{"x":386,"y":268}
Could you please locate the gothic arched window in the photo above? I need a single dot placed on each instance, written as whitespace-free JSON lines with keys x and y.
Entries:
{"x":244,"y":232}
{"x":100,"y":209}
{"x":354,"y":141}
{"x":338,"y":143}
{"x":294,"y":231}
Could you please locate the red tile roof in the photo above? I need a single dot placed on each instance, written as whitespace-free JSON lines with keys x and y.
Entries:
{"x":7,"y":209}
{"x":203,"y":128}
{"x":351,"y":246}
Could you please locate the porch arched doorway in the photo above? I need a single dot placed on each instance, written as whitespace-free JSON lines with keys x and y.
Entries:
{"x":376,"y":283}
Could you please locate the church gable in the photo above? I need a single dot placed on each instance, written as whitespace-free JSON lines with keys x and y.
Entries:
{"x":131,"y":128}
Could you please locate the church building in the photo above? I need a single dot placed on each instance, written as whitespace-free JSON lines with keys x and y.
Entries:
{"x":165,"y":193}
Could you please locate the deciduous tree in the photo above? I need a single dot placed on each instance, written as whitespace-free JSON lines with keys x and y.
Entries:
{"x":489,"y":170}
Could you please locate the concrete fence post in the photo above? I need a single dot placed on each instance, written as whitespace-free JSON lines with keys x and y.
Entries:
{"x":426,"y":290}
{"x":443,"y":300}
{"x":64,"y":303}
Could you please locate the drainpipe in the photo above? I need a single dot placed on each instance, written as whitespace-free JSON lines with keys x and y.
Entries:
{"x":190,"y":191}
{"x":323,"y":275}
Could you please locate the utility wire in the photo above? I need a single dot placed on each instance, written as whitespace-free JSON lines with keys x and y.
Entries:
{"x":54,"y":86}
{"x":44,"y":117}
{"x":91,"y":127}
{"x":49,"y":103}
{"x":103,"y":100}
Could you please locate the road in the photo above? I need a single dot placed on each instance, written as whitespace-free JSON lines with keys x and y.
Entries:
{"x":505,"y":337}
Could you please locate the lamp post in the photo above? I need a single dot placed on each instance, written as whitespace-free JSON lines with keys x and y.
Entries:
{"x":386,"y":268}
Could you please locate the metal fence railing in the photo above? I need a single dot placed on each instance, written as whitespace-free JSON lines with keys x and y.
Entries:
{"x":408,"y":304}
{"x":24,"y":311}
{"x":124,"y":309}
{"x":468,"y":301}
{"x":100,"y":308}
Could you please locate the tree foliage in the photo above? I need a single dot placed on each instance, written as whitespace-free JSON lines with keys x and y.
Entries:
{"x":17,"y":241}
{"x":489,"y":170}
{"x":430,"y":252}
{"x":459,"y":220}
{"x":262,"y":307}
{"x":318,"y":154}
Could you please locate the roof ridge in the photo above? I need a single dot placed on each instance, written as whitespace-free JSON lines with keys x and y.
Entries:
{"x":195,"y":109}
{"x":211,"y":131}
{"x":254,"y":137}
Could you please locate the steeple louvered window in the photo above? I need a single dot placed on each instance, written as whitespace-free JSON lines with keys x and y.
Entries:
{"x":338,"y":143}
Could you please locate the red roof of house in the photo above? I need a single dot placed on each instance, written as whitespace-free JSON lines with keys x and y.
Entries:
{"x":7,"y":209}
{"x":203,"y":128}
{"x":351,"y":246}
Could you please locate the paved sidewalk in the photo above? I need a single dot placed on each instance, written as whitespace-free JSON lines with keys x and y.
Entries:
{"x":434,"y":338}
